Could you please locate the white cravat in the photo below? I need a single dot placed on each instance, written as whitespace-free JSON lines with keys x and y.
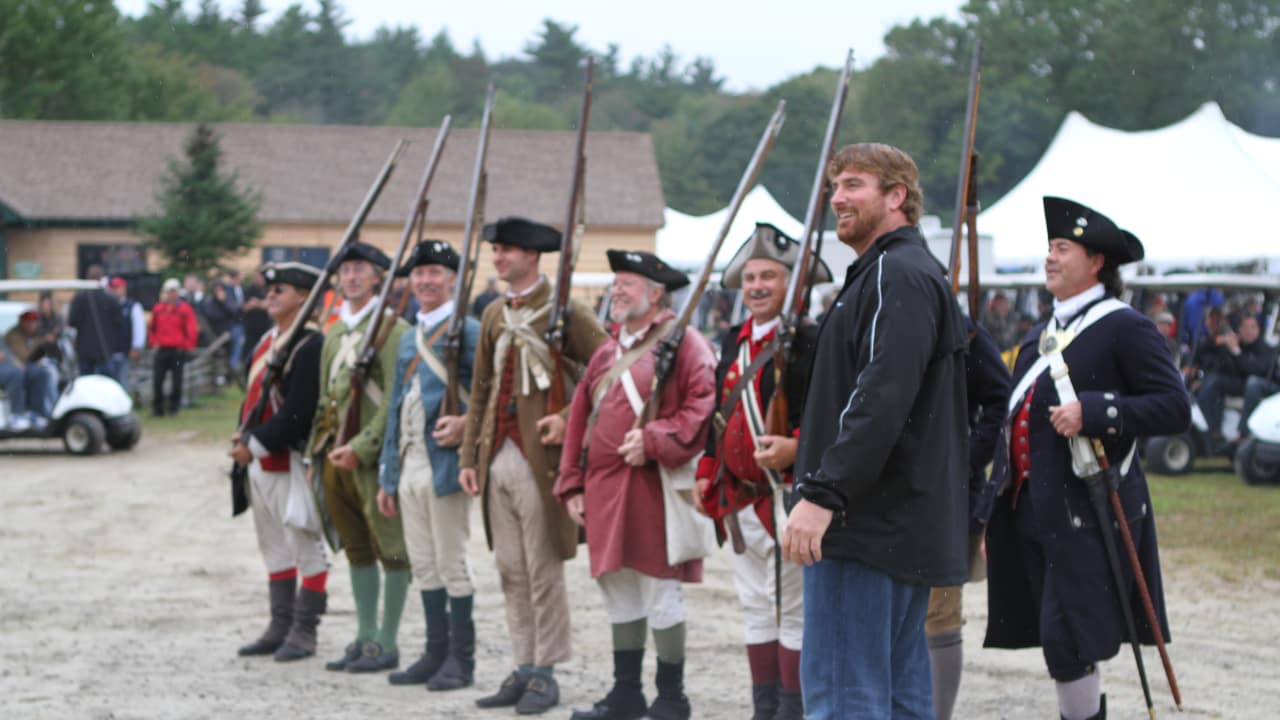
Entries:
{"x":759,"y":331}
{"x":352,"y":319}
{"x":434,"y":317}
{"x":527,"y":290}
{"x":1064,"y":310}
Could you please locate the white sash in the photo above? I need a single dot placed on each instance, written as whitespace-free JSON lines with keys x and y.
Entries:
{"x":434,"y":364}
{"x":1094,"y":314}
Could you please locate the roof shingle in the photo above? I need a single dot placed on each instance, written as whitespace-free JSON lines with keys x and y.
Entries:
{"x":319,"y":173}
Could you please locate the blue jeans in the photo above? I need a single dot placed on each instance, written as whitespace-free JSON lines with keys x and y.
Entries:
{"x":30,"y":389}
{"x":237,"y":346}
{"x":120,"y":369}
{"x":865,"y":655}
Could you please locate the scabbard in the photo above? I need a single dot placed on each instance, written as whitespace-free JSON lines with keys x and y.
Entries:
{"x":239,"y":489}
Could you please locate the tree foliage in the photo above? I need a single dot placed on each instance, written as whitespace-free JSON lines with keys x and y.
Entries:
{"x":1125,"y":64}
{"x":204,"y":215}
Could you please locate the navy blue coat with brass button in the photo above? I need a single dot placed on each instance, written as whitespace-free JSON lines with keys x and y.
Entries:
{"x":1128,"y":390}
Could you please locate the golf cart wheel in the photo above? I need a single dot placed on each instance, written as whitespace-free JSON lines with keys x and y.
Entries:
{"x":1254,"y":466}
{"x":1171,"y":454}
{"x":124,"y":433}
{"x":84,"y":434}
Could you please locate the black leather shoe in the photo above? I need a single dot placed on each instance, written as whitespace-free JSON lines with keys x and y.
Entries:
{"x":507,"y":695}
{"x":418,"y":673}
{"x":540,"y":695}
{"x":619,"y":704}
{"x":374,"y":659}
{"x":667,"y":707}
{"x":350,"y":655}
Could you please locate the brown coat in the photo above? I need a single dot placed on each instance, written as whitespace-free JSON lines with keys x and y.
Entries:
{"x":477,"y":450}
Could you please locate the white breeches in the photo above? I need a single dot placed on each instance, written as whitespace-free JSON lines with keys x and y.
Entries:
{"x":436,"y":529}
{"x":631,"y":596}
{"x":754,"y":579}
{"x":277,"y":516}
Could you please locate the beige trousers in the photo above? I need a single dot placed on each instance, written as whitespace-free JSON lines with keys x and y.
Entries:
{"x":436,"y":529}
{"x":531,"y":571}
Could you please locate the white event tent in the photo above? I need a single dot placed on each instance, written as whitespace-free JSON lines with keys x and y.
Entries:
{"x":1197,"y":191}
{"x":684,"y":240}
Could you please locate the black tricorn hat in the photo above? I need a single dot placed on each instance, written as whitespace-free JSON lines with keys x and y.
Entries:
{"x":299,"y":275}
{"x":1069,"y":219}
{"x":523,"y":233}
{"x":648,"y":265}
{"x":361,"y":251}
{"x":430,"y":252}
{"x":770,"y":243}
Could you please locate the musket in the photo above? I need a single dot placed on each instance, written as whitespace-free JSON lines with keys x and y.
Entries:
{"x":800,"y":284}
{"x":288,"y":341}
{"x":381,"y":321}
{"x":468,"y":259}
{"x":967,"y":189}
{"x":667,"y":347}
{"x":557,"y":328}
{"x":794,"y":310}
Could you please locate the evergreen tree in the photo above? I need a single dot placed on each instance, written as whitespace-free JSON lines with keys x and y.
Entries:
{"x":204,"y":215}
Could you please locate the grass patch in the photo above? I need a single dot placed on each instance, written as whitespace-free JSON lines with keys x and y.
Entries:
{"x":1213,"y":517}
{"x":212,"y":418}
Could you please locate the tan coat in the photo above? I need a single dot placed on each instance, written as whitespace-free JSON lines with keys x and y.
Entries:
{"x":477,"y":450}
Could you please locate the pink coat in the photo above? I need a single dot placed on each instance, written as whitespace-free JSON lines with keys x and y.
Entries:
{"x":623,"y":504}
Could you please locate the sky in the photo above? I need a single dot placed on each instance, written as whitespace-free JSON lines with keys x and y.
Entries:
{"x":754,"y":44}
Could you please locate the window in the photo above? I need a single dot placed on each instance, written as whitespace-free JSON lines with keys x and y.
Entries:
{"x":313,"y":256}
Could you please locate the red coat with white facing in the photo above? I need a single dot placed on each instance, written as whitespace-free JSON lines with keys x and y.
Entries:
{"x":623,"y":504}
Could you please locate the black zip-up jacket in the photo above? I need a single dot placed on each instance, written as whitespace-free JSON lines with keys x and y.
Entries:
{"x":885,"y":438}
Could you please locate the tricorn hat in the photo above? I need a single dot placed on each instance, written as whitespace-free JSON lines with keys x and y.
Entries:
{"x":648,"y":265}
{"x":361,"y":251}
{"x":299,"y":275}
{"x":430,"y":252}
{"x":523,"y":233}
{"x":770,"y":243}
{"x":1069,"y":219}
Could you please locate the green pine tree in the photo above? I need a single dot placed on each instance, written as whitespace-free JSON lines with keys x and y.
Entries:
{"x":204,"y":216}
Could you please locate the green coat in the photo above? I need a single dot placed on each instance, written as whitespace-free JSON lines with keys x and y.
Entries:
{"x":335,"y":397}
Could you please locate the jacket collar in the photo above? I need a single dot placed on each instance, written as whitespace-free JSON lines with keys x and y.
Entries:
{"x":535,"y":296}
{"x":904,"y":234}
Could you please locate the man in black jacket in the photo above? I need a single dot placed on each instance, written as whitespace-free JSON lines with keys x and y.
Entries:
{"x":883,"y":459}
{"x":95,"y":315}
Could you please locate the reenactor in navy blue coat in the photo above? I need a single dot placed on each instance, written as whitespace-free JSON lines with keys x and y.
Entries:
{"x":1050,"y":584}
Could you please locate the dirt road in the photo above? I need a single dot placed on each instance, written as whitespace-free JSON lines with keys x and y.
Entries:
{"x":125,"y":589}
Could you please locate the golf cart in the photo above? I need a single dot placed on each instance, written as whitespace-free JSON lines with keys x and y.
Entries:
{"x":1257,"y":459}
{"x":91,"y":411}
{"x":1176,"y":454}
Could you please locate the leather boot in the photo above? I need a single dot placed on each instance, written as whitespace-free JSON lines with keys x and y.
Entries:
{"x":764,"y":701}
{"x":1102,"y":709}
{"x":301,"y":640}
{"x":458,"y":670}
{"x":281,"y":593}
{"x":437,"y":617}
{"x":671,"y":703}
{"x":625,"y":700}
{"x":790,"y":705}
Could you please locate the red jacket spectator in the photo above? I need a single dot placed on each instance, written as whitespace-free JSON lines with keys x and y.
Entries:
{"x":173,"y":325}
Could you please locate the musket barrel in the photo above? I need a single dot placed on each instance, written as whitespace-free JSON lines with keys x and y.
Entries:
{"x":966,"y":156}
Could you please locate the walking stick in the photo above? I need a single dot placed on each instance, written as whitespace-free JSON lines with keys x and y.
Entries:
{"x":1140,"y":578}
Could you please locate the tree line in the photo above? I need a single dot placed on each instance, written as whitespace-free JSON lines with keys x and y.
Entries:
{"x":1123,"y":64}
